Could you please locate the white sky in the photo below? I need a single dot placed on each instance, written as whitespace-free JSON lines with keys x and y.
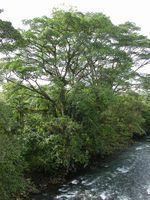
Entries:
{"x":137,"y":11}
{"x":119,"y":11}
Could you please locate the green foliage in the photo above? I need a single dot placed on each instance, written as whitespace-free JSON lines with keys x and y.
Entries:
{"x":56,"y":144}
{"x":71,"y":47}
{"x":146,"y":113}
{"x":6,"y":122}
{"x":10,"y":38}
{"x":69,"y":92}
{"x":110,"y":120}
{"x":12,"y":166}
{"x":146,"y":116}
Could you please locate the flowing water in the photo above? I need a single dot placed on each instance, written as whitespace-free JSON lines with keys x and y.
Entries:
{"x":127,"y":177}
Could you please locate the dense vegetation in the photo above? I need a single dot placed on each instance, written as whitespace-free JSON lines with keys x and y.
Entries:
{"x":71,"y":90}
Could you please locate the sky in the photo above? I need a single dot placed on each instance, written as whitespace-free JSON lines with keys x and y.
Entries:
{"x":119,"y":11}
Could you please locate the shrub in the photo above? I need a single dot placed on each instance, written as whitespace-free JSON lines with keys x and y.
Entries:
{"x":12,"y":166}
{"x":59,"y":145}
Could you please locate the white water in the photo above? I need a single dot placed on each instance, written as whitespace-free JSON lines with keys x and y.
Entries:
{"x":125,"y":178}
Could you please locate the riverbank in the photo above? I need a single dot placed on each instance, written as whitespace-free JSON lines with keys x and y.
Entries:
{"x":124,"y":176}
{"x":45,"y":182}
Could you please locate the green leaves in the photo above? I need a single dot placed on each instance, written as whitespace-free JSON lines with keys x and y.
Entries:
{"x":55,"y":144}
{"x":71,"y":47}
{"x":68,"y":89}
{"x":12,"y":166}
{"x":6,"y":120}
{"x":10,"y":38}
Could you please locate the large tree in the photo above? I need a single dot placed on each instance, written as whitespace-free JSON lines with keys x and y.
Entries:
{"x":71,"y":47}
{"x":63,"y":86}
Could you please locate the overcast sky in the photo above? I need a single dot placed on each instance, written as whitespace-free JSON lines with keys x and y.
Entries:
{"x":119,"y":11}
{"x":137,"y":11}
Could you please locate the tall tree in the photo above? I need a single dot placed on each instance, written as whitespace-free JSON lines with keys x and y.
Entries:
{"x":72,"y":47}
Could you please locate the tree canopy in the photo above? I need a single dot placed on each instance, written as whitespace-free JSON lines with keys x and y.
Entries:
{"x":72,"y":90}
{"x":72,"y":47}
{"x":10,"y":38}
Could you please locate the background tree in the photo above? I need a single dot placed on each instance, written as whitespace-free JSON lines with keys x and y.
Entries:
{"x":12,"y":164}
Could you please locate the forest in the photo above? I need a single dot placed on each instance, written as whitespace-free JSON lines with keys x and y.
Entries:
{"x":71,"y":90}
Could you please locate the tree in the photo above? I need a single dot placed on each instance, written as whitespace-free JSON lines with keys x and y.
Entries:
{"x":12,"y":164}
{"x":10,"y":38}
{"x":70,"y":88}
{"x":72,"y":47}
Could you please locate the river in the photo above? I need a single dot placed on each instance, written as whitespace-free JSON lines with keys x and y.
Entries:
{"x":127,"y":177}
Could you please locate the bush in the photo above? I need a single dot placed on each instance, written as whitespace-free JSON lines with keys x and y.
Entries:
{"x":59,"y":144}
{"x":12,"y":182}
